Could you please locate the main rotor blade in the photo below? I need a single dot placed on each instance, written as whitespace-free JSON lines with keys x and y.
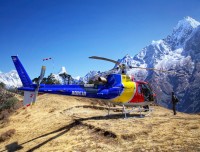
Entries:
{"x":105,"y":59}
{"x":154,"y":69}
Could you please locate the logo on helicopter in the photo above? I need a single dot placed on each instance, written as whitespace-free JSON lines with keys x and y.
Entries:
{"x":79,"y":93}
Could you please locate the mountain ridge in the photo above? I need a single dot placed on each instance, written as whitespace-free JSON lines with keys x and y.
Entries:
{"x":180,"y":52}
{"x":10,"y":79}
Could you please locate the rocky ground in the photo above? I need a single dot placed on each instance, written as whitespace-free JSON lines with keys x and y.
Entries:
{"x":61,"y":123}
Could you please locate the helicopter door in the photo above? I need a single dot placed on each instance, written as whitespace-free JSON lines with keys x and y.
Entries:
{"x":146,"y":92}
{"x":140,"y":93}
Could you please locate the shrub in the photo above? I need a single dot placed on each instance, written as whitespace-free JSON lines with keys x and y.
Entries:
{"x":6,"y":135}
{"x":2,"y":85}
{"x":9,"y":103}
{"x":4,"y":114}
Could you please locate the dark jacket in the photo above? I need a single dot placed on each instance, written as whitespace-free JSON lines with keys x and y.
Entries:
{"x":174,"y":99}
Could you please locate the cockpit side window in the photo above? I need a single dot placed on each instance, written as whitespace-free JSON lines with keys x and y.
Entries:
{"x":147,"y":92}
{"x":139,"y":89}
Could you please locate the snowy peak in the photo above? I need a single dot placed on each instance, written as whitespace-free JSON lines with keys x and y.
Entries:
{"x":186,"y":23}
{"x":63,"y":70}
{"x":183,"y":31}
{"x":10,"y":79}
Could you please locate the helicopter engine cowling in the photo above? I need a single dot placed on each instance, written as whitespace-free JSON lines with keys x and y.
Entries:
{"x":102,"y":79}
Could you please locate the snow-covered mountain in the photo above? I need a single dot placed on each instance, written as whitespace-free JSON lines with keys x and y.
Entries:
{"x":10,"y":79}
{"x":62,"y":70}
{"x":89,"y":75}
{"x":178,"y":52}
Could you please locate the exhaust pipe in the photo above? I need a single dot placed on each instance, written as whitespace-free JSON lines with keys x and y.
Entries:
{"x":102,"y":79}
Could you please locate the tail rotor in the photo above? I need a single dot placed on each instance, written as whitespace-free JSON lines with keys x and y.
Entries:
{"x":42,"y":73}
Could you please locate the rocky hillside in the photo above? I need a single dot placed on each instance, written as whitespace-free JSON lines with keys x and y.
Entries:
{"x":61,"y":123}
{"x":179,"y":52}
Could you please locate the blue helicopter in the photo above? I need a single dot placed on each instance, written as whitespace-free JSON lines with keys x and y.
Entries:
{"x":116,"y":88}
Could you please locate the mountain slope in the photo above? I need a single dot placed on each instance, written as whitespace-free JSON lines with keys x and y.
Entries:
{"x":10,"y":79}
{"x":61,"y":123}
{"x":178,"y":52}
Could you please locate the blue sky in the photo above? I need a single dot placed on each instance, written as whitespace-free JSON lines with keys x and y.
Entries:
{"x":70,"y":31}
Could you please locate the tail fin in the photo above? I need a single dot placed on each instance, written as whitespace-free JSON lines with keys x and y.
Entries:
{"x":26,"y":81}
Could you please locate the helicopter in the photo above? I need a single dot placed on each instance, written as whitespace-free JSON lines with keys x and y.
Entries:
{"x":116,"y":88}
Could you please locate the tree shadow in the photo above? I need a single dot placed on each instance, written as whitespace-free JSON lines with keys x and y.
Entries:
{"x":15,"y":146}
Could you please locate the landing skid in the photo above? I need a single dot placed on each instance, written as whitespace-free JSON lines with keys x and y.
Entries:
{"x":139,"y":109}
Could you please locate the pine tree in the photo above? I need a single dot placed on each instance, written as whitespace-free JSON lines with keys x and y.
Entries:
{"x":49,"y":80}
{"x":66,"y":77}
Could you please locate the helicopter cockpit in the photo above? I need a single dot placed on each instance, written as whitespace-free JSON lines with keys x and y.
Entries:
{"x":146,"y":90}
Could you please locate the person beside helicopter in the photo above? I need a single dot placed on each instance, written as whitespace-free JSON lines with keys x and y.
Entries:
{"x":174,"y":102}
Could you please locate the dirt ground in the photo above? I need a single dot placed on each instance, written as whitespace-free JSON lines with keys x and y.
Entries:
{"x":64,"y":124}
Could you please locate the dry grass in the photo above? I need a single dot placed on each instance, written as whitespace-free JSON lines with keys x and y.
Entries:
{"x":60,"y":123}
